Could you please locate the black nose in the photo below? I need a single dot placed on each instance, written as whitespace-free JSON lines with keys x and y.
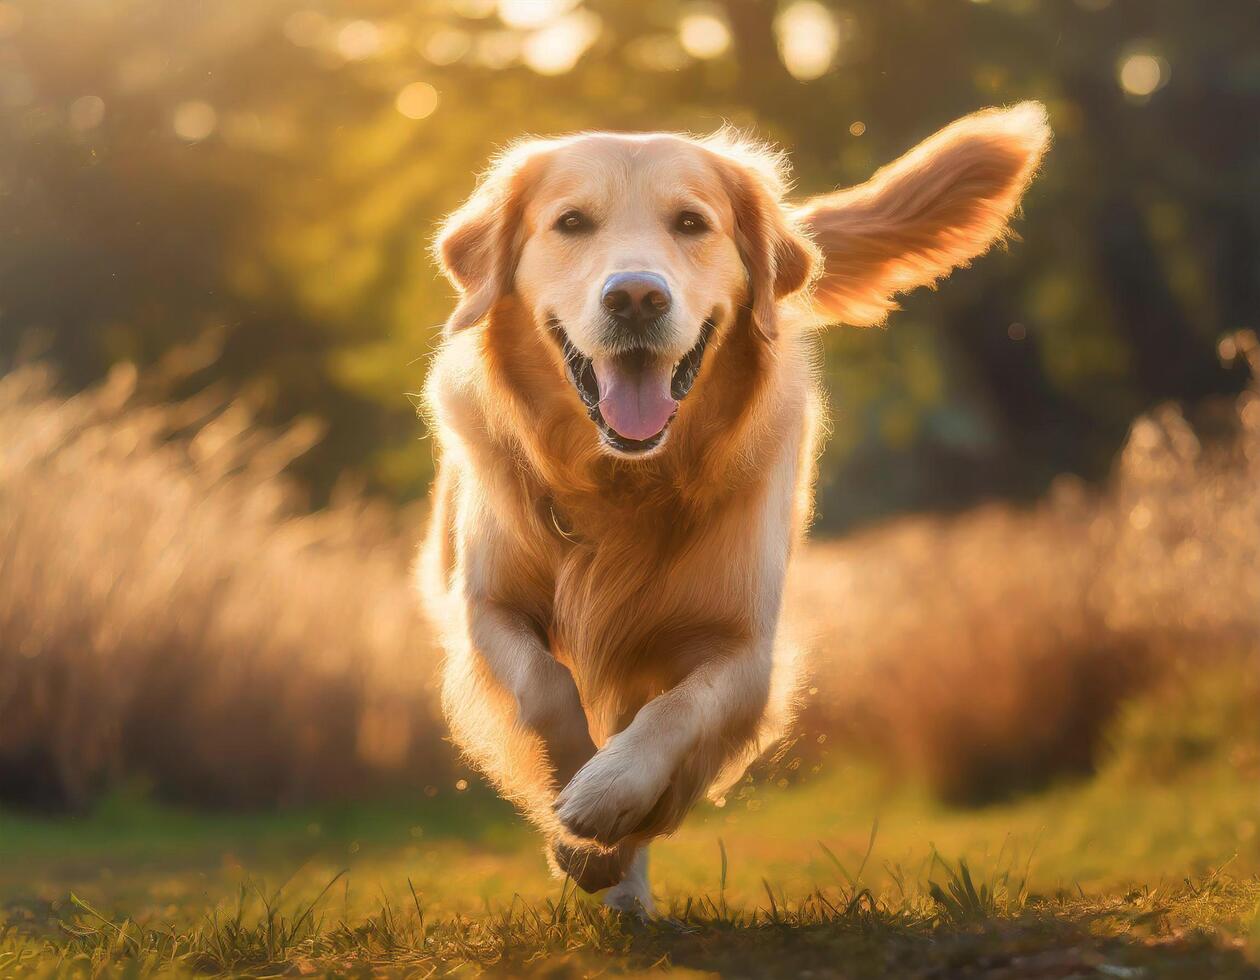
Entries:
{"x":636,"y":295}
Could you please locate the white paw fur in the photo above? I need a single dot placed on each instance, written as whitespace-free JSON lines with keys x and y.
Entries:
{"x":613,"y":792}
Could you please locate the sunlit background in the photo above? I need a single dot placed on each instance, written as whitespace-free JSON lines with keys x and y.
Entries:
{"x":1038,"y":541}
{"x":273,"y":171}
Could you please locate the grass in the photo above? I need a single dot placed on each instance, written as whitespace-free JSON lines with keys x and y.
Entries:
{"x":844,"y":875}
{"x":160,"y":583}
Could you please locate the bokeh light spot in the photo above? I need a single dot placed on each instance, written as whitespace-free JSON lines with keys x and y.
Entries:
{"x":556,"y":48}
{"x":857,"y":127}
{"x":418,"y":100}
{"x":809,"y":37}
{"x":194,"y":121}
{"x":87,"y":112}
{"x":703,"y":32}
{"x":1142,"y":73}
{"x":359,"y":40}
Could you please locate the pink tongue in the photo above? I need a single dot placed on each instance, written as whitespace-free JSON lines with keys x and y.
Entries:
{"x":633,"y":396}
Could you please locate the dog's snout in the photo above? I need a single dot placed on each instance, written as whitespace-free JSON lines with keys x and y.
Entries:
{"x":636,"y":295}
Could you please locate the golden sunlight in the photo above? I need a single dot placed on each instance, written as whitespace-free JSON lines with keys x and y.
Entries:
{"x":408,"y":511}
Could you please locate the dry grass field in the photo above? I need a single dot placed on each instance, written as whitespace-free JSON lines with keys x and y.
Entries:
{"x":1050,"y":712}
{"x":1135,"y":872}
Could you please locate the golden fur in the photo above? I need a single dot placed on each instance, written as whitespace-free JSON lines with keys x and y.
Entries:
{"x":611,"y":623}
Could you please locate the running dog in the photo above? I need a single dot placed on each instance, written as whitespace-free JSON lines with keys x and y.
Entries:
{"x":626,"y":408}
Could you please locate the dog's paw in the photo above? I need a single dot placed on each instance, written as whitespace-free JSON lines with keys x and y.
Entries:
{"x":631,"y":901}
{"x":612,"y":793}
{"x":592,"y":868}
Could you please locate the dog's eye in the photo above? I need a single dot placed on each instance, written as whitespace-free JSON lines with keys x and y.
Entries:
{"x":690,"y":223}
{"x":573,"y":221}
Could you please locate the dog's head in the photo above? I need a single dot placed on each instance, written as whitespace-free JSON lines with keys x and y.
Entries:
{"x":633,"y":255}
{"x":630,"y":253}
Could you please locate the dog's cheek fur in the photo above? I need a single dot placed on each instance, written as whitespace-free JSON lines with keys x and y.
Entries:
{"x":778,"y":259}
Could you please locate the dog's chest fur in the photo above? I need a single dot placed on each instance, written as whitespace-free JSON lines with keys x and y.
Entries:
{"x":628,"y":613}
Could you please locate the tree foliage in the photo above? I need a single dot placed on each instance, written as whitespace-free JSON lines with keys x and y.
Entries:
{"x":272,"y":171}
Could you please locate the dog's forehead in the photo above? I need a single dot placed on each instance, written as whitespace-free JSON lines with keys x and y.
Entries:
{"x":658,"y":162}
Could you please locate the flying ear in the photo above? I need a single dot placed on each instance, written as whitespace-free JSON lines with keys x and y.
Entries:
{"x":938,"y":207}
{"x":478,"y":243}
{"x":778,"y":260}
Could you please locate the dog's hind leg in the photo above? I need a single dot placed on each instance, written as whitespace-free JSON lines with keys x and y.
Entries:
{"x":633,"y":893}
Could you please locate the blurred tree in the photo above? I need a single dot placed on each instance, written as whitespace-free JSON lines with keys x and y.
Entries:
{"x":274,"y":169}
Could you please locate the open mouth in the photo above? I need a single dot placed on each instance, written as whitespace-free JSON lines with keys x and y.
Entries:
{"x":631,"y":397}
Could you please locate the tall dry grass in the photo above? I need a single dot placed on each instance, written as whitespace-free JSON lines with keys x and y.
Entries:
{"x":989,"y":651}
{"x":170,"y":611}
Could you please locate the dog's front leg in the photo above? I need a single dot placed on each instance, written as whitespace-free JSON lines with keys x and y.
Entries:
{"x":542,"y":691}
{"x":646,"y":777}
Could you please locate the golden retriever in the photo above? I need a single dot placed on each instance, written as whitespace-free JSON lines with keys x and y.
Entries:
{"x":627,"y":409}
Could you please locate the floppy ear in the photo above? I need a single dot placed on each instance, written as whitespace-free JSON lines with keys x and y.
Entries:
{"x":938,"y":207}
{"x":478,"y":243}
{"x":778,"y":260}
